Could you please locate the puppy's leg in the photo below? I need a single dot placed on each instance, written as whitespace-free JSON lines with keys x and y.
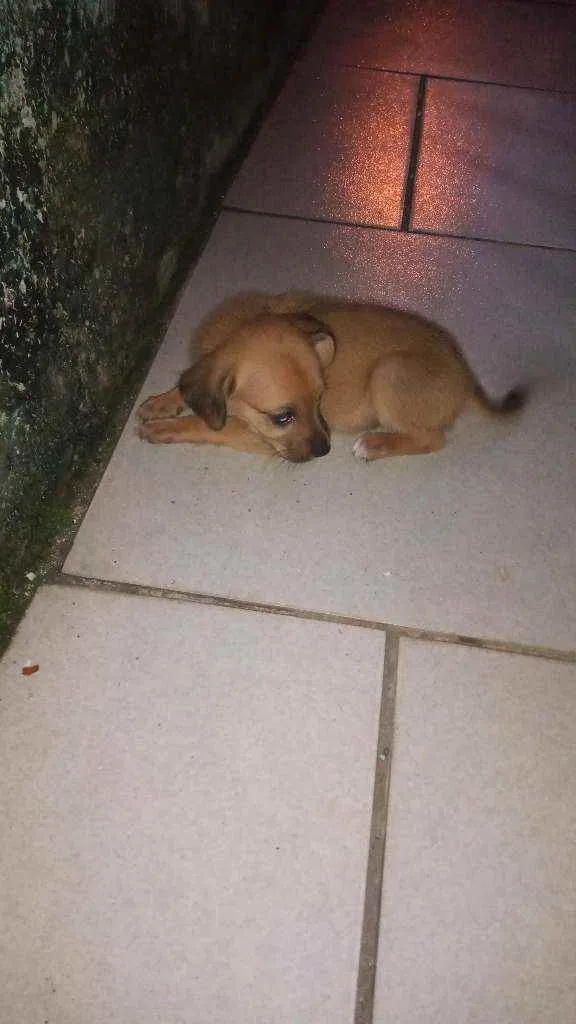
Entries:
{"x":415,"y":397}
{"x":374,"y":445}
{"x":192,"y":429}
{"x":161,"y":407}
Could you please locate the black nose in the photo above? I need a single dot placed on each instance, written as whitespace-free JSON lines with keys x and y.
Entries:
{"x":319,"y":446}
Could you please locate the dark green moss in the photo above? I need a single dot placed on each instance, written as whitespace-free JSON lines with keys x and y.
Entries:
{"x":116,"y":121}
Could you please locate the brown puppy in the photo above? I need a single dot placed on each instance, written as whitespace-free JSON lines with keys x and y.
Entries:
{"x":277,"y":373}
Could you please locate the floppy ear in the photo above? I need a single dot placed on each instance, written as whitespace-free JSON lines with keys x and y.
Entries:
{"x":205,"y":387}
{"x":320,"y":337}
{"x":325,"y":346}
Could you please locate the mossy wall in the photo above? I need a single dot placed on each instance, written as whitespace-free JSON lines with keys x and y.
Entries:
{"x":115,"y":118}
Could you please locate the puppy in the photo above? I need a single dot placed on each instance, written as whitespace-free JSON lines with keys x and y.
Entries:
{"x":277,"y":373}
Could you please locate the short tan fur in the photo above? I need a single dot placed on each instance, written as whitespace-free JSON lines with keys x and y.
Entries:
{"x":276,"y":374}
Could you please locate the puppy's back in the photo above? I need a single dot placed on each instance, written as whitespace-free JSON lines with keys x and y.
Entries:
{"x":227,"y":318}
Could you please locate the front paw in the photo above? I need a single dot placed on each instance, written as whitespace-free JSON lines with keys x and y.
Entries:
{"x":161,"y":407}
{"x":157,"y":431}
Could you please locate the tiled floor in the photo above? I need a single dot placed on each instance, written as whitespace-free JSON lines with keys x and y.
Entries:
{"x":336,"y":161}
{"x":511,"y":152}
{"x":258,"y":684}
{"x":189,"y":809}
{"x":480,"y":887}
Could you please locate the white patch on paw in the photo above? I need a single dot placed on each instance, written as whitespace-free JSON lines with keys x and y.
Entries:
{"x":359,"y":448}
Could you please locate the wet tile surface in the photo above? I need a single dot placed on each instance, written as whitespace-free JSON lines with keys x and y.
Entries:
{"x":334,"y":147}
{"x":523,"y":44}
{"x":186,"y":795}
{"x":473,"y":540}
{"x":498,"y":163}
{"x":479,"y":897}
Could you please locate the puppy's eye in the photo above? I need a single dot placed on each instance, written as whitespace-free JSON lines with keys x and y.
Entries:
{"x":284,"y":418}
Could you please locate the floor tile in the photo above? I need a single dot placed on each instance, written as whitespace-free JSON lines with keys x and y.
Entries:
{"x":186,"y":794}
{"x":525,"y":44}
{"x":498,"y":163}
{"x":334,"y":147}
{"x":479,"y":897}
{"x":473,"y":540}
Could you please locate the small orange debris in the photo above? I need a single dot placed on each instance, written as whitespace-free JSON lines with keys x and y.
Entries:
{"x":30,"y":668}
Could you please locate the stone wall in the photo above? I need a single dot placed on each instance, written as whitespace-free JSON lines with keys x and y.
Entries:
{"x":116,"y":119}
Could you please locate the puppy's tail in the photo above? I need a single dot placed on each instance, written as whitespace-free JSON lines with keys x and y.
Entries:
{"x":512,"y":402}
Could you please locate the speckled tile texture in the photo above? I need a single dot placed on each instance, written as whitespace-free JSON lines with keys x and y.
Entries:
{"x":479,"y":895}
{"x":497,"y":163}
{"x":186,"y":798}
{"x":508,"y":41}
{"x":269,"y":695}
{"x":335,"y":147}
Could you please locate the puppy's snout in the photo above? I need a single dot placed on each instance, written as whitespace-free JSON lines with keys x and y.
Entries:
{"x":319,"y":446}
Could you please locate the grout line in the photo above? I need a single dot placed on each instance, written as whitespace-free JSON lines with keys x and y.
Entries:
{"x":336,"y":222}
{"x":368,"y":960}
{"x":433,"y":76}
{"x":62,"y":579}
{"x":411,"y":174}
{"x":391,"y":229}
{"x":430,"y":233}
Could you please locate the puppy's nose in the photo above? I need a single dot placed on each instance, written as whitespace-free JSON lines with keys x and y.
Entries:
{"x":320,"y":446}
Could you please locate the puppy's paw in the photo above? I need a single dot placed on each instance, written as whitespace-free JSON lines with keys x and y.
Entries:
{"x":157,"y":432}
{"x":375,"y":445}
{"x":361,"y":448}
{"x":161,"y":407}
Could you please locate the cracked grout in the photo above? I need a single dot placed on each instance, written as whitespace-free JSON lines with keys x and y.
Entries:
{"x":368,"y":958}
{"x":62,"y":579}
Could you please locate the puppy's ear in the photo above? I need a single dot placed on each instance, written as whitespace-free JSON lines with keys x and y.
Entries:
{"x":319,"y":335}
{"x":325,"y":346}
{"x":206,"y":387}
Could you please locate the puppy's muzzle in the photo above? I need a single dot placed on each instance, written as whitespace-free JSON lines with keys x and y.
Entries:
{"x":320,"y":443}
{"x":319,"y":446}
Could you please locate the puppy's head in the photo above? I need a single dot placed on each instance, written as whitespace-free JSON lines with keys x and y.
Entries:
{"x":270,"y":374}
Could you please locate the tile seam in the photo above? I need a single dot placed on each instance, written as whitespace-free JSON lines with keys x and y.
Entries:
{"x":431,"y":76}
{"x":368,"y":957}
{"x":392,"y":229}
{"x":495,"y":645}
{"x":414,"y":156}
{"x":539,"y":246}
